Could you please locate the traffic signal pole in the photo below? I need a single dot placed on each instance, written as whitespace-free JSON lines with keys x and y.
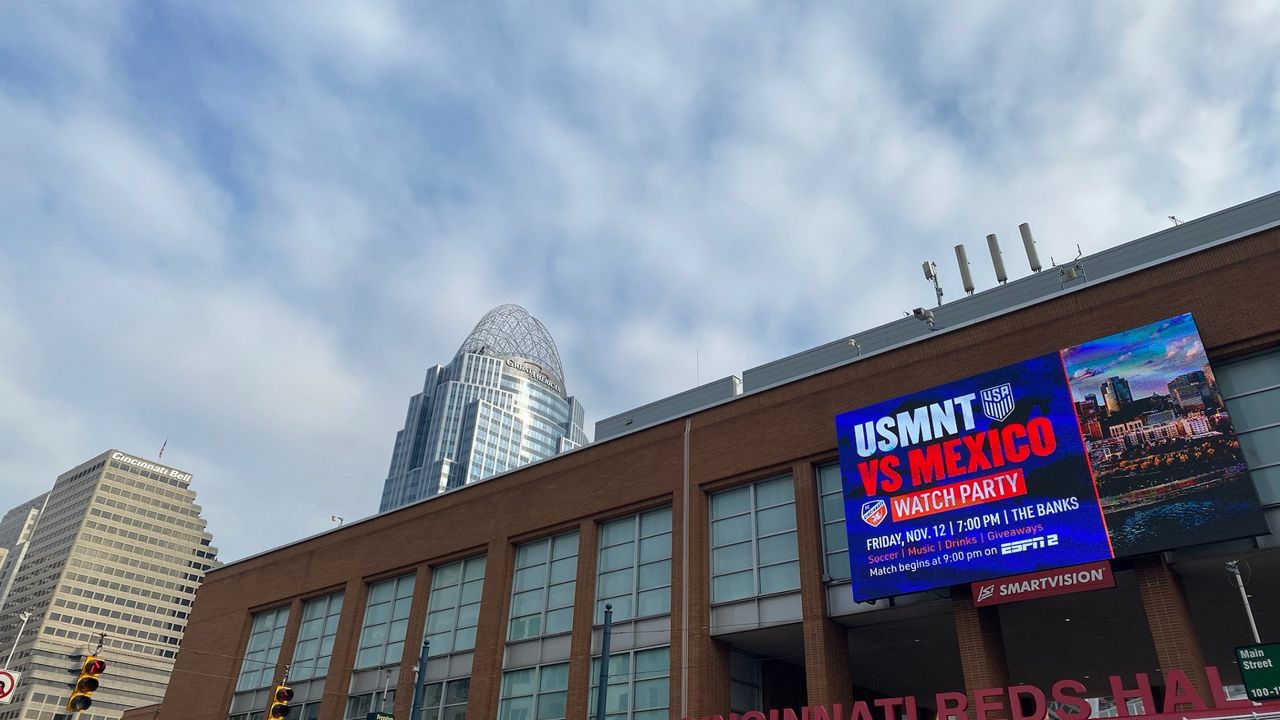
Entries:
{"x":603,"y":690}
{"x":419,"y":681}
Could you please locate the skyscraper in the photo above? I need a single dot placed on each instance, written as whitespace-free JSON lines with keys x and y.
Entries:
{"x":500,"y":403}
{"x":119,"y":548}
{"x":15,"y":537}
{"x":1116,"y":394}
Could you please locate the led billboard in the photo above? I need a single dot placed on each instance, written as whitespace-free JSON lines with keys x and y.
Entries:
{"x":1115,"y":447}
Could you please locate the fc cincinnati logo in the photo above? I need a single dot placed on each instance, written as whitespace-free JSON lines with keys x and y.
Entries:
{"x":874,"y":512}
{"x":997,"y":402}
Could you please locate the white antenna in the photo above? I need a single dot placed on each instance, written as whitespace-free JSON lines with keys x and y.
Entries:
{"x":931,"y":274}
{"x":996,"y":258}
{"x":1029,"y":243}
{"x":962,"y":258}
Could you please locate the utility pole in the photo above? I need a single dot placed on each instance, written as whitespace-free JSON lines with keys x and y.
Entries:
{"x":419,"y":681}
{"x":25,"y":616}
{"x":604,"y":661}
{"x":1233,"y":567}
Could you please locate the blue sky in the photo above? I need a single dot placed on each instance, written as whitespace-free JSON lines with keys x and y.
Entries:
{"x":233,"y":224}
{"x":1147,"y":357}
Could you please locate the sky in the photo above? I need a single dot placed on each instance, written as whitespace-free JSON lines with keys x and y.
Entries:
{"x":1147,"y":357}
{"x":250,"y":227}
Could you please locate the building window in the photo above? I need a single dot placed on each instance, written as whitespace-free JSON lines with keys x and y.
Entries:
{"x":265,"y":639}
{"x":835,"y":537}
{"x":744,"y":682}
{"x":386,"y":617}
{"x":536,"y":693}
{"x":634,"y":573}
{"x":454,"y":609}
{"x":309,"y":711}
{"x":753,"y":541}
{"x":315,"y":637}
{"x":446,"y":700}
{"x":542,"y":591}
{"x":639,"y":688}
{"x":359,"y":706}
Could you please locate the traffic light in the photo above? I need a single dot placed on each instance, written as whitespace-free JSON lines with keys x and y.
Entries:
{"x":81,"y":693}
{"x":280,"y":702}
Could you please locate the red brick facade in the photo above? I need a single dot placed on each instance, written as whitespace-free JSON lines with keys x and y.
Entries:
{"x":785,"y":430}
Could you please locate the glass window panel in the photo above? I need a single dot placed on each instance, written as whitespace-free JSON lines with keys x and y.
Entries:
{"x":559,"y":621}
{"x":369,"y":657}
{"x":732,"y":530}
{"x":465,"y":639}
{"x":833,"y":507}
{"x":529,"y":578}
{"x":554,"y":677}
{"x":618,"y":531}
{"x":401,"y":608}
{"x":446,"y":575}
{"x":377,"y":614}
{"x":526,"y":602}
{"x":404,"y":587}
{"x":533,"y":553}
{"x":469,"y":615}
{"x":559,"y":596}
{"x":657,"y":661}
{"x":775,"y":492}
{"x":778,"y":548}
{"x":618,"y":556}
{"x":616,"y":583}
{"x":565,"y":546}
{"x":732,"y":502}
{"x":654,"y":575}
{"x":525,"y":627}
{"x":776,"y":520}
{"x":621,"y":608}
{"x":459,"y":691}
{"x":471,"y":591}
{"x":654,"y":602}
{"x":331,"y":624}
{"x":777,"y":578}
{"x":731,"y":559}
{"x":474,"y":569}
{"x":312,"y":610}
{"x":652,"y":693}
{"x":564,"y":570}
{"x":395,"y":652}
{"x":655,"y":548}
{"x":431,"y":693}
{"x":444,"y":597}
{"x":441,"y":643}
{"x":551,"y":706}
{"x":732,"y":587}
{"x":380,"y":592}
{"x":516,"y":709}
{"x":519,"y":682}
{"x":439,"y":621}
{"x":838,"y":565}
{"x":829,"y":479}
{"x":655,"y":522}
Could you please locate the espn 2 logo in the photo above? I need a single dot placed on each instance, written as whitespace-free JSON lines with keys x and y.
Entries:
{"x":1032,"y":543}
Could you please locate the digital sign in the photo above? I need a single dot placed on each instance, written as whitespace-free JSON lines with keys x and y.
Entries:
{"x":1115,"y":447}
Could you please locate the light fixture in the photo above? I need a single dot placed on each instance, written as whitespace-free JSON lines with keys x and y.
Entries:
{"x":924,"y":315}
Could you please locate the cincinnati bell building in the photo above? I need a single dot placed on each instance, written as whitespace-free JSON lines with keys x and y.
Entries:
{"x":1030,"y":502}
{"x":499,"y":404}
{"x":106,"y":562}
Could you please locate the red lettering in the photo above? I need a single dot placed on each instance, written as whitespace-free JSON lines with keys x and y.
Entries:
{"x":753,"y":715}
{"x":1076,"y":700}
{"x":893,"y":478}
{"x":952,"y":706}
{"x":1122,"y":695}
{"x":1180,"y":694}
{"x":912,"y":713}
{"x":1038,"y":706}
{"x":789,"y":714}
{"x":987,"y":700}
{"x":977,"y":458}
{"x":860,"y":711}
{"x":951,"y":454}
{"x":1009,"y":435}
{"x":1040,"y":434}
{"x":925,"y":464}
{"x":870,"y":475}
{"x":997,"y":452}
{"x":820,"y":712}
{"x":887,"y":705}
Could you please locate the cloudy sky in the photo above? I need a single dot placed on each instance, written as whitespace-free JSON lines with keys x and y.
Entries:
{"x":251,"y":227}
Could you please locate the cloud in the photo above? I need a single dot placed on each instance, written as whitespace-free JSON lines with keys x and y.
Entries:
{"x":1084,"y":373}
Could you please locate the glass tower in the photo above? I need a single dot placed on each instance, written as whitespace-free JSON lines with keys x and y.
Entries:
{"x":500,"y":403}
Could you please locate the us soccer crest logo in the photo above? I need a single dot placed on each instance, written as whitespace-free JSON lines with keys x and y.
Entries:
{"x":874,"y":512}
{"x":997,"y":402}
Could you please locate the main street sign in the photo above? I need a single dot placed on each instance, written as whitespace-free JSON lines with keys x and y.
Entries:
{"x":1260,"y":670}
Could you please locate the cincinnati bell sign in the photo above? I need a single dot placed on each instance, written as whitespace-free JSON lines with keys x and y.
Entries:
{"x":1098,"y":451}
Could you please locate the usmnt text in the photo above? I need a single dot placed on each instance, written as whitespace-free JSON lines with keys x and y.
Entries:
{"x":942,"y":443}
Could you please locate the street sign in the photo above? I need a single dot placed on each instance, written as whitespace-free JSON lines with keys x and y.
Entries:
{"x":8,"y":683}
{"x":379,"y":716}
{"x":1260,"y":670}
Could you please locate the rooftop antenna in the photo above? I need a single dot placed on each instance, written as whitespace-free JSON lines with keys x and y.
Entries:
{"x":996,"y":258}
{"x":1072,"y":271}
{"x":962,"y":258}
{"x":931,"y":274}
{"x":1176,"y":222}
{"x":1029,"y":242}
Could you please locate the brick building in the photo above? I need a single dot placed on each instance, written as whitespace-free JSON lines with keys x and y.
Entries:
{"x":712,"y":522}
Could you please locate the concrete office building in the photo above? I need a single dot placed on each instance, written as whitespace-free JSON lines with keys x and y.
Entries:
{"x":715,"y":524}
{"x":118,"y":549}
{"x":499,"y":404}
{"x":15,"y":536}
